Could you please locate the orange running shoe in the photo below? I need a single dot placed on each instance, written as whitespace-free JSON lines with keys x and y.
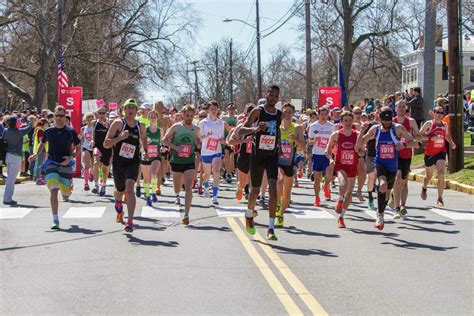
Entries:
{"x":300,"y":173}
{"x":239,"y":194}
{"x":317,"y":201}
{"x":340,"y":222}
{"x":327,"y":192}
{"x":339,"y":207}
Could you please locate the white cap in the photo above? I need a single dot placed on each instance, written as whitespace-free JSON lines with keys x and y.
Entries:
{"x":113,"y":114}
{"x":146,"y":106}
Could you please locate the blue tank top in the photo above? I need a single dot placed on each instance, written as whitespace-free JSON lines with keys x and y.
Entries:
{"x":386,"y":153}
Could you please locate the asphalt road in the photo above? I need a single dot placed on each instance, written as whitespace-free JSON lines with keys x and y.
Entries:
{"x":421,"y":265}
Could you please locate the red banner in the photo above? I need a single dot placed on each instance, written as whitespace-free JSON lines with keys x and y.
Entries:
{"x":330,"y":96}
{"x":71,"y":99}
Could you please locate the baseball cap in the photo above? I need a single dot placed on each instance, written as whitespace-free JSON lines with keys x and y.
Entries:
{"x":130,"y":102}
{"x":146,"y":106}
{"x":386,"y":115}
{"x":337,"y":110}
{"x":113,"y":114}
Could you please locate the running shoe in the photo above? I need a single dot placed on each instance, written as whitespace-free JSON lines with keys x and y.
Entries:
{"x":379,"y":223}
{"x":403,"y":211}
{"x":102,"y":190}
{"x":138,"y":192}
{"x":228,"y":178}
{"x":297,"y":184}
{"x":95,"y":190}
{"x":327,"y":192}
{"x":262,"y":202}
{"x":118,"y":206}
{"x":12,"y":202}
{"x":271,"y":235}
{"x":148,"y":201}
{"x":440,"y":202}
{"x":168,"y":175}
{"x":397,"y":214}
{"x":206,"y":193}
{"x":340,"y":222}
{"x":238,"y":194}
{"x":280,"y":221}
{"x":317,"y":201}
{"x":41,"y":181}
{"x":311,"y":177}
{"x":249,"y":225}
{"x":177,"y":201}
{"x":339,"y":206}
{"x":254,"y":213}
{"x":158,"y":191}
{"x":424,"y":194}
{"x":119,"y":217}
{"x":371,"y":205}
{"x":214,"y":200}
{"x":86,"y":187}
{"x":360,"y":196}
{"x":55,"y":225}
{"x":154,"y":198}
{"x":91,"y":177}
{"x":129,"y":227}
{"x":185,"y":220}
{"x":300,"y":174}
{"x":200,"y":191}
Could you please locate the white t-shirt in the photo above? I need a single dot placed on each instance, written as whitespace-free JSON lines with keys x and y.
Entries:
{"x":322,"y":133}
{"x":212,"y":131}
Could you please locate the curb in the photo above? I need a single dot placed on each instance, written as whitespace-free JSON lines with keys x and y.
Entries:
{"x":449,"y":184}
{"x":17,"y":181}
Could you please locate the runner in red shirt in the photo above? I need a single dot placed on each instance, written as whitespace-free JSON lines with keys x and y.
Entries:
{"x":435,"y":133}
{"x":345,"y":163}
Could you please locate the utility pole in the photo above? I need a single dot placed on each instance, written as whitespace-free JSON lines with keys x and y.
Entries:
{"x":196,"y":86}
{"x":429,"y":56}
{"x":309,"y":92}
{"x":259,"y":62}
{"x":456,"y":159}
{"x":59,"y":32}
{"x":231,"y":79}
{"x":217,"y":76}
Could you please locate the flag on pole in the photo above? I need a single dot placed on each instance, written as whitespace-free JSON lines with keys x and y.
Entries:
{"x":63,"y":81}
{"x":340,"y":79}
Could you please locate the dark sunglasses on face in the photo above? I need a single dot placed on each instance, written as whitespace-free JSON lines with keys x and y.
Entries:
{"x":101,"y":113}
{"x":59,"y":115}
{"x":357,"y":113}
{"x":439,"y":112}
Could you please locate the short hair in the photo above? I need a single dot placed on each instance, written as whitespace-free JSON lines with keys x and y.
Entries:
{"x":188,"y":107}
{"x":40,"y":122}
{"x":401,"y":102}
{"x":213,"y":103}
{"x":347,"y":113}
{"x":60,"y":108}
{"x":152,"y":112}
{"x":272,"y":87}
{"x":323,"y":108}
{"x":88,"y":114}
{"x":417,"y":89}
{"x":288,"y":104}
{"x":249,"y":107}
{"x":385,"y":109}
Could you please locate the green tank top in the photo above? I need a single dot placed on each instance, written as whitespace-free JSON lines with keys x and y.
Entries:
{"x":287,"y":149}
{"x":153,"y":142}
{"x":232,"y":121}
{"x":186,"y":138}
{"x":286,"y":133}
{"x":143,"y":120}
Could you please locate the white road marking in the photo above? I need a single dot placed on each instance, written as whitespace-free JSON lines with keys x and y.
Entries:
{"x":230,"y":211}
{"x":455,"y":214}
{"x":84,"y":212}
{"x":160,"y":211}
{"x":305,"y":212}
{"x":14,"y":212}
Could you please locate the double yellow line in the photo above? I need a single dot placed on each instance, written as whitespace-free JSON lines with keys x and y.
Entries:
{"x":299,"y":288}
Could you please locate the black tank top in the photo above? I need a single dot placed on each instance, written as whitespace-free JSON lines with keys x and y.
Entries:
{"x":128,"y":149}
{"x":100,"y":131}
{"x":267,"y":142}
{"x":371,"y":152}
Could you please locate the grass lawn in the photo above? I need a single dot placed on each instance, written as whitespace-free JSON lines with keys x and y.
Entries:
{"x":465,"y":176}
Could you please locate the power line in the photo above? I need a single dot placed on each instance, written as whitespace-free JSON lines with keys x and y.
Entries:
{"x":284,"y":22}
{"x":281,"y":18}
{"x":246,"y":19}
{"x":249,"y":49}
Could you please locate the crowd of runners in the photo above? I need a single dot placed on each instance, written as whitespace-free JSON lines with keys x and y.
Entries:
{"x":264,"y":150}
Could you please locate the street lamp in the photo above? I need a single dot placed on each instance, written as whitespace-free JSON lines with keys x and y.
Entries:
{"x":259,"y":63}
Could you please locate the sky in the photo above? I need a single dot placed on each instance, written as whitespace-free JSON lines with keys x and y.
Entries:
{"x":212,"y":29}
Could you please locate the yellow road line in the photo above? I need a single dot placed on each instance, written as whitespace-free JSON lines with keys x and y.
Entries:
{"x":292,"y":279}
{"x":266,"y":271}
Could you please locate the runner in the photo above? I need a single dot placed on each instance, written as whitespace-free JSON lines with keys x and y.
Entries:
{"x":264,"y":157}
{"x":164,"y":122}
{"x":229,"y":157}
{"x":244,"y":151}
{"x":212,"y":135}
{"x":86,"y":139}
{"x":291,"y":139}
{"x":145,"y":108}
{"x":101,"y":154}
{"x":126,"y":136}
{"x":345,"y":163}
{"x":63,"y":146}
{"x":435,"y":132}
{"x":400,"y":188}
{"x":387,"y":144}
{"x":361,"y":170}
{"x":319,"y":133}
{"x":184,"y":139}
{"x":150,"y":164}
{"x":370,"y":159}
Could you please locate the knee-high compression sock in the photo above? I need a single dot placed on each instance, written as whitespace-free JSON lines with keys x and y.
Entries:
{"x":215,"y":190}
{"x":154,"y":184}
{"x":381,"y":203}
{"x":146,"y":185}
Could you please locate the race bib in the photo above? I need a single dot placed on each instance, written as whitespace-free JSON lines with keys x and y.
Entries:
{"x":347,"y":157}
{"x":322,"y":142}
{"x":127,"y":150}
{"x":97,"y":152}
{"x":438,"y":143}
{"x":387,"y":151}
{"x":88,"y":136}
{"x":212,"y":144}
{"x":248,"y":148}
{"x":286,"y":151}
{"x":267,"y":142}
{"x":184,"y":151}
{"x":152,"y":151}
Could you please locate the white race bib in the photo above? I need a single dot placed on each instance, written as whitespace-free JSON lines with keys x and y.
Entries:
{"x":267,"y":142}
{"x":127,"y":151}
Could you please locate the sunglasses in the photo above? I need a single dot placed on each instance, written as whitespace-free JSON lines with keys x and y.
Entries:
{"x":357,"y":113}
{"x":101,"y":113}
{"x":439,"y":112}
{"x":59,"y":115}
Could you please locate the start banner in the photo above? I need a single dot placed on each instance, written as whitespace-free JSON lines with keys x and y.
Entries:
{"x":71,"y":99}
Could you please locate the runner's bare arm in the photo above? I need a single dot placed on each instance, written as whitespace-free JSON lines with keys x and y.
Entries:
{"x":143,"y":136}
{"x":252,"y":118}
{"x":424,"y":130}
{"x":198,"y":138}
{"x":403,"y":133}
{"x":450,"y":139}
{"x":332,"y":141}
{"x":167,"y":139}
{"x":300,"y":142}
{"x":110,"y":140}
{"x":363,"y":139}
{"x":415,"y":131}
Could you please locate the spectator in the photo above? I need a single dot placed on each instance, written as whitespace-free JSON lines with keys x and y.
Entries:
{"x":416,"y":106}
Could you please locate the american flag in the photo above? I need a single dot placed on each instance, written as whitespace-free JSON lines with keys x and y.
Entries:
{"x":63,"y":81}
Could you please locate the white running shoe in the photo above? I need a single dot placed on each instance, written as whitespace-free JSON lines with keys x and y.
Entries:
{"x":214,"y":200}
{"x":178,"y":201}
{"x":396,"y":214}
{"x":206,"y":193}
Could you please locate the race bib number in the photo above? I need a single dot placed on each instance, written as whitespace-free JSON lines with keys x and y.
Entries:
{"x":347,"y":157}
{"x":88,"y":136}
{"x":248,"y":148}
{"x":212,"y":144}
{"x":184,"y":151}
{"x":438,"y":143}
{"x":387,"y":151}
{"x":152,"y":151}
{"x":97,"y":152}
{"x":322,"y":142}
{"x":127,"y":151}
{"x":286,"y":151}
{"x":267,"y":142}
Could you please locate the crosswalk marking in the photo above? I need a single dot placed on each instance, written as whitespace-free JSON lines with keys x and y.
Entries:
{"x":310,"y":213}
{"x":230,"y":211}
{"x":14,"y":212}
{"x":160,"y":211}
{"x":84,"y":212}
{"x":455,"y":214}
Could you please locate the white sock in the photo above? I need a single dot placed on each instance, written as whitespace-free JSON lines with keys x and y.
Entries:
{"x":341,"y":197}
{"x":249,"y":213}
{"x":343,"y":212}
{"x":271,"y":223}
